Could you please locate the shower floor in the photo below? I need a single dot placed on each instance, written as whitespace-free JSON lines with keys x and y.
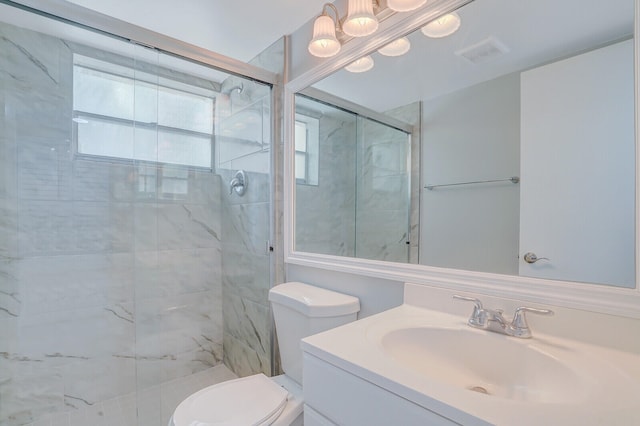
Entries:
{"x":149,"y":407}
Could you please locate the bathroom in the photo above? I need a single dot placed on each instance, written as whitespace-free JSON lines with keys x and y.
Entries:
{"x":130,"y":283}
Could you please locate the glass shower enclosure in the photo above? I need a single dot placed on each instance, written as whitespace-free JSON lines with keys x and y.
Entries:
{"x":131,"y":274}
{"x":353,"y":181}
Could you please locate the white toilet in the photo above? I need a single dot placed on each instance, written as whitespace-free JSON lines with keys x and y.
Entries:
{"x":299,"y":310}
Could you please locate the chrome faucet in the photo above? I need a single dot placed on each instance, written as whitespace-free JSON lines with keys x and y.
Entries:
{"x":493,"y":320}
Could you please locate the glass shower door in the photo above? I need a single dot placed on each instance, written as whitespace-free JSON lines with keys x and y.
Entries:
{"x":383,"y":196}
{"x":119,"y":240}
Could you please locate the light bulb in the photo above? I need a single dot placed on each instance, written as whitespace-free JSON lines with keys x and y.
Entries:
{"x":360,"y":20}
{"x":396,"y":48}
{"x":442,"y":26}
{"x":361,"y":65}
{"x":324,"y":42}
{"x":404,"y":5}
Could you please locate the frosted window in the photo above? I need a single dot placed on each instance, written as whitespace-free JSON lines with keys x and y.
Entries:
{"x":307,"y":143}
{"x":301,"y":136}
{"x":185,"y":110}
{"x":102,"y":93}
{"x":118,"y":116}
{"x":301,"y":166}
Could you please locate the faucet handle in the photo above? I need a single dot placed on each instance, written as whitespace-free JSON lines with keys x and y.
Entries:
{"x":478,"y":316}
{"x":519,"y":326}
{"x":238,"y":183}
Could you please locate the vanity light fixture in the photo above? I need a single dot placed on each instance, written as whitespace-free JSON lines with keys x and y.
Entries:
{"x":442,"y":26}
{"x":404,"y":5}
{"x":396,"y":48}
{"x":361,"y":65}
{"x":360,"y":20}
{"x":324,"y":42}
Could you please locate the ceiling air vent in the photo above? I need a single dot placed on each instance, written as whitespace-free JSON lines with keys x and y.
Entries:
{"x":483,"y":51}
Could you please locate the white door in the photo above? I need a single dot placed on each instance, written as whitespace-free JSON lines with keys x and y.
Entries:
{"x":578,"y":168}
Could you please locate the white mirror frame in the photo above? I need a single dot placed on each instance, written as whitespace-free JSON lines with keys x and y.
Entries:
{"x":585,"y":296}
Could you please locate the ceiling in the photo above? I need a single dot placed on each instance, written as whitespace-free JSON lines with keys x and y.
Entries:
{"x":535,"y":32}
{"x":240,"y":29}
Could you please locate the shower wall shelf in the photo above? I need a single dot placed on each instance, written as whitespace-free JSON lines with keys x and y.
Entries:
{"x":512,"y":179}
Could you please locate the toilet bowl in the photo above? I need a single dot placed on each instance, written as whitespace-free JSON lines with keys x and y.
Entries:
{"x":299,"y":310}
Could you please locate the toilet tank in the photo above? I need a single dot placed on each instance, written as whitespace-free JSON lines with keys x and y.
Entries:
{"x":300,"y":310}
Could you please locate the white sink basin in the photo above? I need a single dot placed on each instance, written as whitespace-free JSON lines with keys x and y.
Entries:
{"x":482,"y":362}
{"x":434,"y":360}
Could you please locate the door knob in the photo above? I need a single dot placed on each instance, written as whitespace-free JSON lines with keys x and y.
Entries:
{"x":532,"y":258}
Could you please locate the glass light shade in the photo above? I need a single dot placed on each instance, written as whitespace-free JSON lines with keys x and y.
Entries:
{"x":324,"y":42}
{"x":443,"y":26}
{"x":361,"y":65}
{"x":396,"y":48}
{"x":360,"y":19}
{"x":404,"y":5}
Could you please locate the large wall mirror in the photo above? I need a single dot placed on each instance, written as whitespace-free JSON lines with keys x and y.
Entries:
{"x":506,"y":147}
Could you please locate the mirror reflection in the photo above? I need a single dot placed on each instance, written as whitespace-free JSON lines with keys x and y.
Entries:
{"x":352,"y":181}
{"x":506,"y":146}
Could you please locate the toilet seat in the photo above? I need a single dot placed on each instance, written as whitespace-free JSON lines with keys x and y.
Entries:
{"x":255,"y":400}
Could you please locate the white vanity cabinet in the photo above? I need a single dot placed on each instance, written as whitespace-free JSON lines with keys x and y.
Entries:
{"x":337,"y":397}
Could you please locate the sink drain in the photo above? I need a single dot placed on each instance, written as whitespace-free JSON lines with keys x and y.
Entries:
{"x":479,"y":389}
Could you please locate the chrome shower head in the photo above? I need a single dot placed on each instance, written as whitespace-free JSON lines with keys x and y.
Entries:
{"x":239,"y":88}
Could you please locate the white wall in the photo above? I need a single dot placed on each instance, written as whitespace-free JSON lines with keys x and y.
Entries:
{"x":469,"y":135}
{"x":578,"y":168}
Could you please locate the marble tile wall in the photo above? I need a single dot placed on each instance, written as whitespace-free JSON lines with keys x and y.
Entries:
{"x":246,"y":276}
{"x":103,"y":290}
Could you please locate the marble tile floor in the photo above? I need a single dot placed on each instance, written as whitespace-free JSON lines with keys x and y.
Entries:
{"x":149,"y":407}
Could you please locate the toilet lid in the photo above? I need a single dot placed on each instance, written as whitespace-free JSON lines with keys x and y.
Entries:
{"x":254,"y":400}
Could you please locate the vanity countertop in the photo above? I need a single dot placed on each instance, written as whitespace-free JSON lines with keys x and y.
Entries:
{"x":593,"y":385}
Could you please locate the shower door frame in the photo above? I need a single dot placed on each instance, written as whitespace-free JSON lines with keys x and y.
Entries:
{"x":95,"y":21}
